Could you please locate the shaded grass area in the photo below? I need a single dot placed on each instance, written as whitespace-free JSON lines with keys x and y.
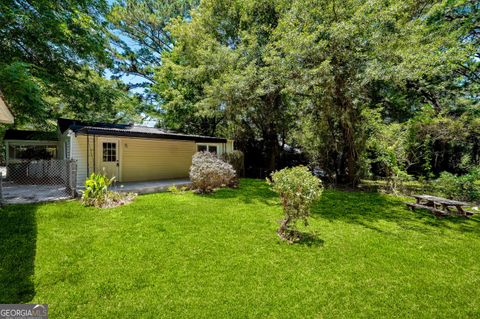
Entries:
{"x":17,"y":253}
{"x":218,"y":255}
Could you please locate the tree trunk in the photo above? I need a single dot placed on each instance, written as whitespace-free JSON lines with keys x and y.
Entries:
{"x":283,"y":229}
{"x":348,"y":116}
{"x":270,"y":134}
{"x":271,"y":150}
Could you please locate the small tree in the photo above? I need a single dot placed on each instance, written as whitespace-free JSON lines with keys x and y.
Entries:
{"x":209,"y":172}
{"x":298,"y":189}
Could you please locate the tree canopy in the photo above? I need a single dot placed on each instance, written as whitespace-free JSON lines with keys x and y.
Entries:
{"x":52,"y":59}
{"x":362,"y":88}
{"x":320,"y":74}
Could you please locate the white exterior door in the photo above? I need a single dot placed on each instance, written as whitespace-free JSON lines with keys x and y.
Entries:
{"x":110,"y":158}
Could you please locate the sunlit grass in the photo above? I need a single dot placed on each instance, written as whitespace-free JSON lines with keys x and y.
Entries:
{"x":217,"y":255}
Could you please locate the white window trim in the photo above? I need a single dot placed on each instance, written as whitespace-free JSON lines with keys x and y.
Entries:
{"x":208,"y":145}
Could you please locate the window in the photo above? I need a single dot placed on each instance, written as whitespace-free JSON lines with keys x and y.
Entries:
{"x":109,"y":152}
{"x":207,"y":148}
{"x":32,"y":152}
{"x":202,"y":148}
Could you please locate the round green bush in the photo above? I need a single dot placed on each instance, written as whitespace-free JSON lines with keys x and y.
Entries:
{"x":298,"y":189}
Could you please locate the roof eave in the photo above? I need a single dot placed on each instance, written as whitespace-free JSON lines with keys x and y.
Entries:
{"x":93,"y":131}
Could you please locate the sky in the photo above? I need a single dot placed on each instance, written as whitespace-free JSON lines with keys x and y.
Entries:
{"x":129,"y":78}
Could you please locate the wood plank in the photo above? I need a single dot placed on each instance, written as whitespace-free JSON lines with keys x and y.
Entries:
{"x":432,"y":209}
{"x":440,"y":200}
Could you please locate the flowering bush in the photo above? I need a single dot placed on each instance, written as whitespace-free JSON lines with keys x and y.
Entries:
{"x":298,"y":189}
{"x":209,"y":172}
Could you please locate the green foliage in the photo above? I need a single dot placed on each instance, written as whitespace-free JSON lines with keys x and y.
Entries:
{"x":96,"y":190}
{"x":235,"y":158}
{"x":464,"y":187}
{"x":144,"y":38}
{"x":23,"y":92}
{"x":443,"y":143}
{"x":52,"y":62}
{"x":178,"y":191}
{"x":310,"y":73}
{"x":348,"y":58}
{"x":218,"y":79}
{"x":329,"y":78}
{"x":298,"y":189}
{"x":94,"y":98}
{"x":208,"y":172}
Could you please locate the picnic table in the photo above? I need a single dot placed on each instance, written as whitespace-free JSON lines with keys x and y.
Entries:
{"x":440,"y":206}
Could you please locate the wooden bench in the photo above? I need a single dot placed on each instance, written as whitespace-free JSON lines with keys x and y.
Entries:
{"x":440,"y":206}
{"x":469,"y":213}
{"x":434,"y":210}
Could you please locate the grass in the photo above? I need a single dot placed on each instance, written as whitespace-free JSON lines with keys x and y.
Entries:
{"x":217,"y":255}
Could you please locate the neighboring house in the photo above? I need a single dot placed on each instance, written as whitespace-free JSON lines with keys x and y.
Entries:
{"x":129,"y":152}
{"x":5,"y":116}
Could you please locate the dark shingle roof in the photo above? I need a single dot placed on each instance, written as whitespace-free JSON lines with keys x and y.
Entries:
{"x":30,"y":135}
{"x":130,"y":130}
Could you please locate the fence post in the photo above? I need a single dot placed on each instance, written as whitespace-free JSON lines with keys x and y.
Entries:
{"x":1,"y":189}
{"x":67,"y":176}
{"x":73,"y":177}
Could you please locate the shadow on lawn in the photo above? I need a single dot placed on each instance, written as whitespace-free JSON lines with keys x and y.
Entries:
{"x":18,"y":233}
{"x":369,"y":208}
{"x":310,"y":240}
{"x":250,"y":190}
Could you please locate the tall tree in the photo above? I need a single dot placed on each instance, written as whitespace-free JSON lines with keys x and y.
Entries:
{"x":217,"y":77}
{"x":140,"y":38}
{"x":303,"y":72}
{"x":46,"y":46}
{"x":337,"y":55}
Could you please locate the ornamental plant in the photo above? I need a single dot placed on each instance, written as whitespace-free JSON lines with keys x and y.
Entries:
{"x":298,"y":189}
{"x":96,"y":189}
{"x":209,"y":172}
{"x":97,"y":192}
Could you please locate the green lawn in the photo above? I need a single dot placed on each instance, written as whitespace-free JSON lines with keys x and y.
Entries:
{"x":218,"y":256}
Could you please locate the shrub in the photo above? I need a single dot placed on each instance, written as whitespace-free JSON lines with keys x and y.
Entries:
{"x":96,"y":192}
{"x":209,"y":172}
{"x":96,"y":189}
{"x":463,"y":187}
{"x":298,"y":189}
{"x":237,"y":160}
{"x":175,"y":190}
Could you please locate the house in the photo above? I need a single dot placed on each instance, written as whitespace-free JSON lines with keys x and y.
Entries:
{"x":6,"y":116}
{"x":129,"y":152}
